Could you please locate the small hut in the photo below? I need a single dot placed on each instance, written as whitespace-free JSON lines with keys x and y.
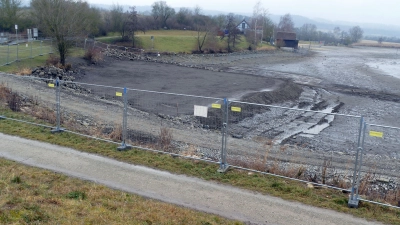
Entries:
{"x":286,"y":39}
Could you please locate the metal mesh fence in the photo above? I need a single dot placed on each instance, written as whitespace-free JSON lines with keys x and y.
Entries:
{"x":24,"y":50}
{"x":180,"y":124}
{"x":316,"y":147}
{"x":379,"y":174}
{"x":34,"y":97}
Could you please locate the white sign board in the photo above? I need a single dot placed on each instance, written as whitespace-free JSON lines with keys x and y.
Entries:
{"x":35,"y":32}
{"x":16,"y":26}
{"x":200,"y":111}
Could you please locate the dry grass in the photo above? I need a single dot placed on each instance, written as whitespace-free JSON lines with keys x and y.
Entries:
{"x":370,"y":43}
{"x":93,"y":55}
{"x":266,"y":48}
{"x":283,"y":188}
{"x":165,"y":137}
{"x":23,"y":71}
{"x":7,"y":96}
{"x":34,"y":196}
{"x":116,"y":134}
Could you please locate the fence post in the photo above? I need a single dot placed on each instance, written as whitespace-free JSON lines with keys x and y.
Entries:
{"x":31,"y":49}
{"x":57,"y":129}
{"x":41,"y":48}
{"x":123,"y":145}
{"x":17,"y":52}
{"x":223,"y":167}
{"x":8,"y":55}
{"x":353,"y":200}
{"x":361,"y":158}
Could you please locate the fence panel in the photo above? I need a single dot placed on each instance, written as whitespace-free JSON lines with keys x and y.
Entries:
{"x":11,"y":53}
{"x":379,"y":180}
{"x":32,"y":96}
{"x":180,"y":124}
{"x":316,"y":147}
{"x":319,"y":147}
{"x":91,"y":110}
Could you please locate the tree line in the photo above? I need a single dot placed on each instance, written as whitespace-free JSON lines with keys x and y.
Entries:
{"x":66,"y":19}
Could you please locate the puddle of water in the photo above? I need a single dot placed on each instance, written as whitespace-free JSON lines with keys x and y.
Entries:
{"x":237,"y":97}
{"x":389,"y":68}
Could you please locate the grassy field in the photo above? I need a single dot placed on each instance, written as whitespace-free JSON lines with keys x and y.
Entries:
{"x":290,"y":190}
{"x":12,"y":53}
{"x":171,"y":41}
{"x":370,"y":43}
{"x":34,"y":196}
{"x":28,"y":62}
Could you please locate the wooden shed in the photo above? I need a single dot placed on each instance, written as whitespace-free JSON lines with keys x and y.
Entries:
{"x":286,"y":39}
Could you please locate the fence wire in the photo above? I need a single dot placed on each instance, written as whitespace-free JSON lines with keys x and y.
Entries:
{"x":380,"y":179}
{"x":312,"y":146}
{"x":317,"y":147}
{"x":24,"y":49}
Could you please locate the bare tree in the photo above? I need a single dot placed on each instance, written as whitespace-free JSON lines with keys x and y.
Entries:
{"x":184,"y":18}
{"x":308,"y":32}
{"x":286,"y":23}
{"x":204,"y":28}
{"x":219,"y":20}
{"x":258,"y":11}
{"x":132,"y":23}
{"x":356,"y":34}
{"x":9,"y":13}
{"x":63,"y":20}
{"x":118,"y":19}
{"x":232,"y":32}
{"x":268,"y":28}
{"x":197,"y":10}
{"x":161,"y":12}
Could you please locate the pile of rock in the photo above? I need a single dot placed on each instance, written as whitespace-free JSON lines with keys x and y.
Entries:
{"x":52,"y":72}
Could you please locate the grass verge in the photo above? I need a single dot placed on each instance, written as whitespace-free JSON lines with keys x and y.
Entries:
{"x":36,"y":196}
{"x":289,"y":190}
{"x":171,"y":41}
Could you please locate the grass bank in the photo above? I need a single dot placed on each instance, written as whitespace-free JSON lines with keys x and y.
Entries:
{"x":36,"y":196}
{"x":289,"y":190}
{"x":171,"y":41}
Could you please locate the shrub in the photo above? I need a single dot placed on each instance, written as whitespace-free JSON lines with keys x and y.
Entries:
{"x":93,"y":55}
{"x":14,"y":102}
{"x":165,"y":138}
{"x":52,"y":60}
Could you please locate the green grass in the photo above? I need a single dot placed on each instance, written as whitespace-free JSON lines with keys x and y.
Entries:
{"x":27,"y":61}
{"x":290,"y":190}
{"x":11,"y":53}
{"x":35,"y":196}
{"x":170,"y":41}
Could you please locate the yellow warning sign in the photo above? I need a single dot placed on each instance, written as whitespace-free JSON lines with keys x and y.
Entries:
{"x":51,"y":85}
{"x":236,"y":109}
{"x":216,"y":106}
{"x":376,"y":134}
{"x":119,"y":94}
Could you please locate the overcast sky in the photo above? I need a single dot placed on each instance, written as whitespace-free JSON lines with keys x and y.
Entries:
{"x":363,"y":11}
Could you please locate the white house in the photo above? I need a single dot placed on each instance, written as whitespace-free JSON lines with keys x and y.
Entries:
{"x":243,"y":26}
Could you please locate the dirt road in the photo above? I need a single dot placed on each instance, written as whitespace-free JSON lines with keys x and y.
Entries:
{"x":177,"y":189}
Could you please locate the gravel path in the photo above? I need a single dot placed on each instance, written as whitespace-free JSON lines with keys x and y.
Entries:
{"x":177,"y":189}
